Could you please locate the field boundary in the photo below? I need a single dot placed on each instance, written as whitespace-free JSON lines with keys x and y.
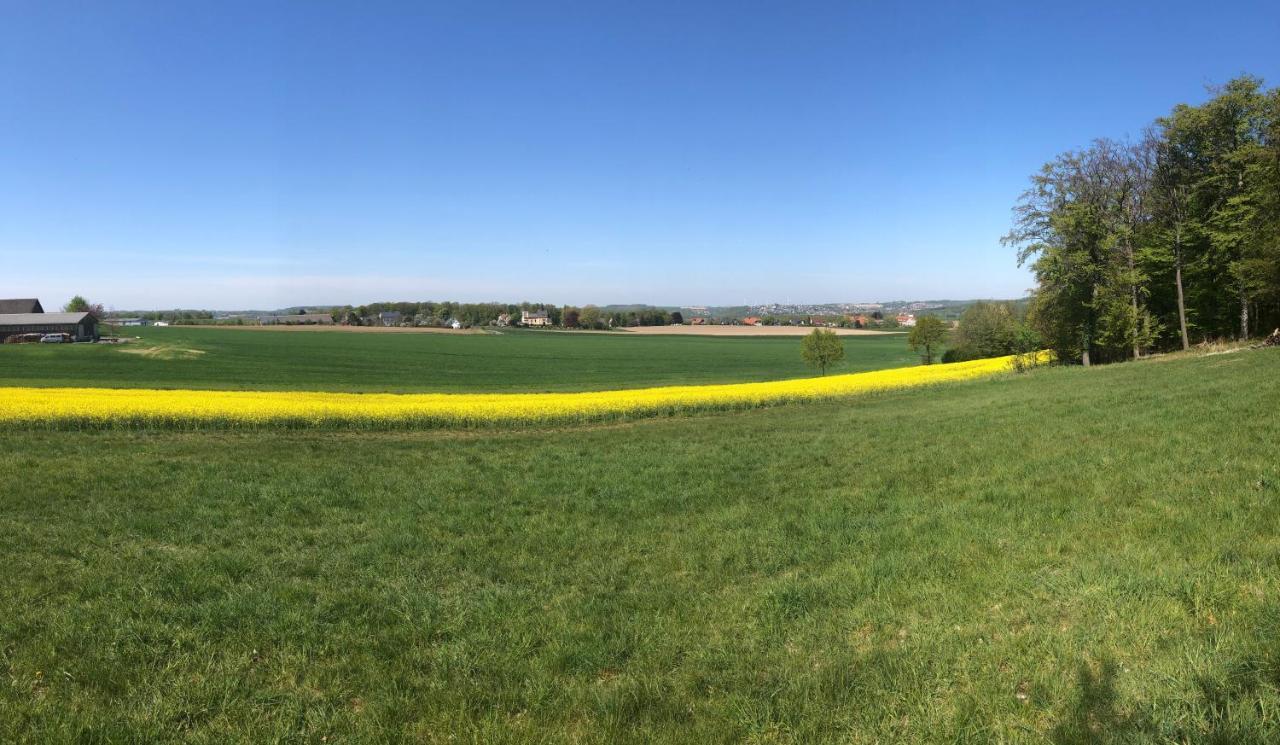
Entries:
{"x":744,"y":331}
{"x":339,"y":328}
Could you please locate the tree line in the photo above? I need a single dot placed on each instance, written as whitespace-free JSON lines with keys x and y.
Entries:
{"x":1149,"y":245}
{"x":432,"y":313}
{"x":439,"y":313}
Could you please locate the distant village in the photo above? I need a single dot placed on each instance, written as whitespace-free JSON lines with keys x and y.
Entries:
{"x":546,"y":315}
{"x":466,"y":316}
{"x":24,"y":320}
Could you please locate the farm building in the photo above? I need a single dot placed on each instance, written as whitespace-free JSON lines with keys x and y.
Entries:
{"x":390,"y":318}
{"x":130,"y":322}
{"x":535,"y":318}
{"x":80,"y":326}
{"x":20,"y":305}
{"x":751,"y":321}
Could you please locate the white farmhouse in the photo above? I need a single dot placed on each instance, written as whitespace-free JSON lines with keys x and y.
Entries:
{"x":535,"y":318}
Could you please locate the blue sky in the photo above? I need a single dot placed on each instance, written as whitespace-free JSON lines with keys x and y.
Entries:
{"x":228,"y":155}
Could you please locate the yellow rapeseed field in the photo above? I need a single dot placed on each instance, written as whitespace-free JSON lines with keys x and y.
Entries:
{"x":116,"y":407}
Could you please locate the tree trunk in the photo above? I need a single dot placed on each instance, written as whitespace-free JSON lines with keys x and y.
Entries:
{"x":1244,"y":316}
{"x":1136,"y":323}
{"x":1244,"y":300}
{"x":1177,"y":275}
{"x":1133,"y":299}
{"x":1091,"y":325}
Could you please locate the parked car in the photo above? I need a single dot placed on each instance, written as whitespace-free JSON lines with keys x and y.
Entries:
{"x":52,"y":339}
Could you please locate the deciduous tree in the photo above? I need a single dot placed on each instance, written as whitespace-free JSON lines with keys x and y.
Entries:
{"x":987,"y":329}
{"x":927,"y":337}
{"x":821,"y":349}
{"x":79,"y":304}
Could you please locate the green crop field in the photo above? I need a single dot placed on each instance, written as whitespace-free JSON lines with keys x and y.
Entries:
{"x":515,"y":360}
{"x":1067,"y":556}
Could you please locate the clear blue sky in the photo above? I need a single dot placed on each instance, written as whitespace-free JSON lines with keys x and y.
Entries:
{"x":226,"y":155}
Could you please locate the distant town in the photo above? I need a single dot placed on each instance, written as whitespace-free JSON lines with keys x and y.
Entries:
{"x":456,"y":315}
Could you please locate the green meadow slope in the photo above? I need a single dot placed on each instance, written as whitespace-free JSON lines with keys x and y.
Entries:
{"x":515,"y":360}
{"x":1066,"y":556}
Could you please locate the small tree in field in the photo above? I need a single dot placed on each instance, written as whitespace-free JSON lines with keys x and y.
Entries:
{"x":927,"y":337}
{"x":821,"y":349}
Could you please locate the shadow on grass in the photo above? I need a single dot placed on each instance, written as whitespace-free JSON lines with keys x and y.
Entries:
{"x":1094,"y":717}
{"x":1222,"y":714}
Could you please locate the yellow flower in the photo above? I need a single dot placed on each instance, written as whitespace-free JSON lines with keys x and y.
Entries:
{"x":185,"y":408}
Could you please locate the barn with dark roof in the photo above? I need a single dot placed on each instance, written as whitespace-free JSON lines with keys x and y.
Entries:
{"x":21,"y":305}
{"x":18,"y":317}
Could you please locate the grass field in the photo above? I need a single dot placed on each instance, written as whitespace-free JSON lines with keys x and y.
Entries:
{"x":212,"y":358}
{"x":1067,"y":556}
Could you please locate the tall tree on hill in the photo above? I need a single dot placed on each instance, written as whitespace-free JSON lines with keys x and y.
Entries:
{"x":1061,"y":222}
{"x":1135,"y":163}
{"x":1228,"y":131}
{"x":1269,"y":185}
{"x":1086,"y":222}
{"x":1171,"y":204}
{"x":1262,"y":265}
{"x":1125,"y":322}
{"x":1181,"y":230}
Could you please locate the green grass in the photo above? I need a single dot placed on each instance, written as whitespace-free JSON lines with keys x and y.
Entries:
{"x":1066,"y":556}
{"x":515,"y":360}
